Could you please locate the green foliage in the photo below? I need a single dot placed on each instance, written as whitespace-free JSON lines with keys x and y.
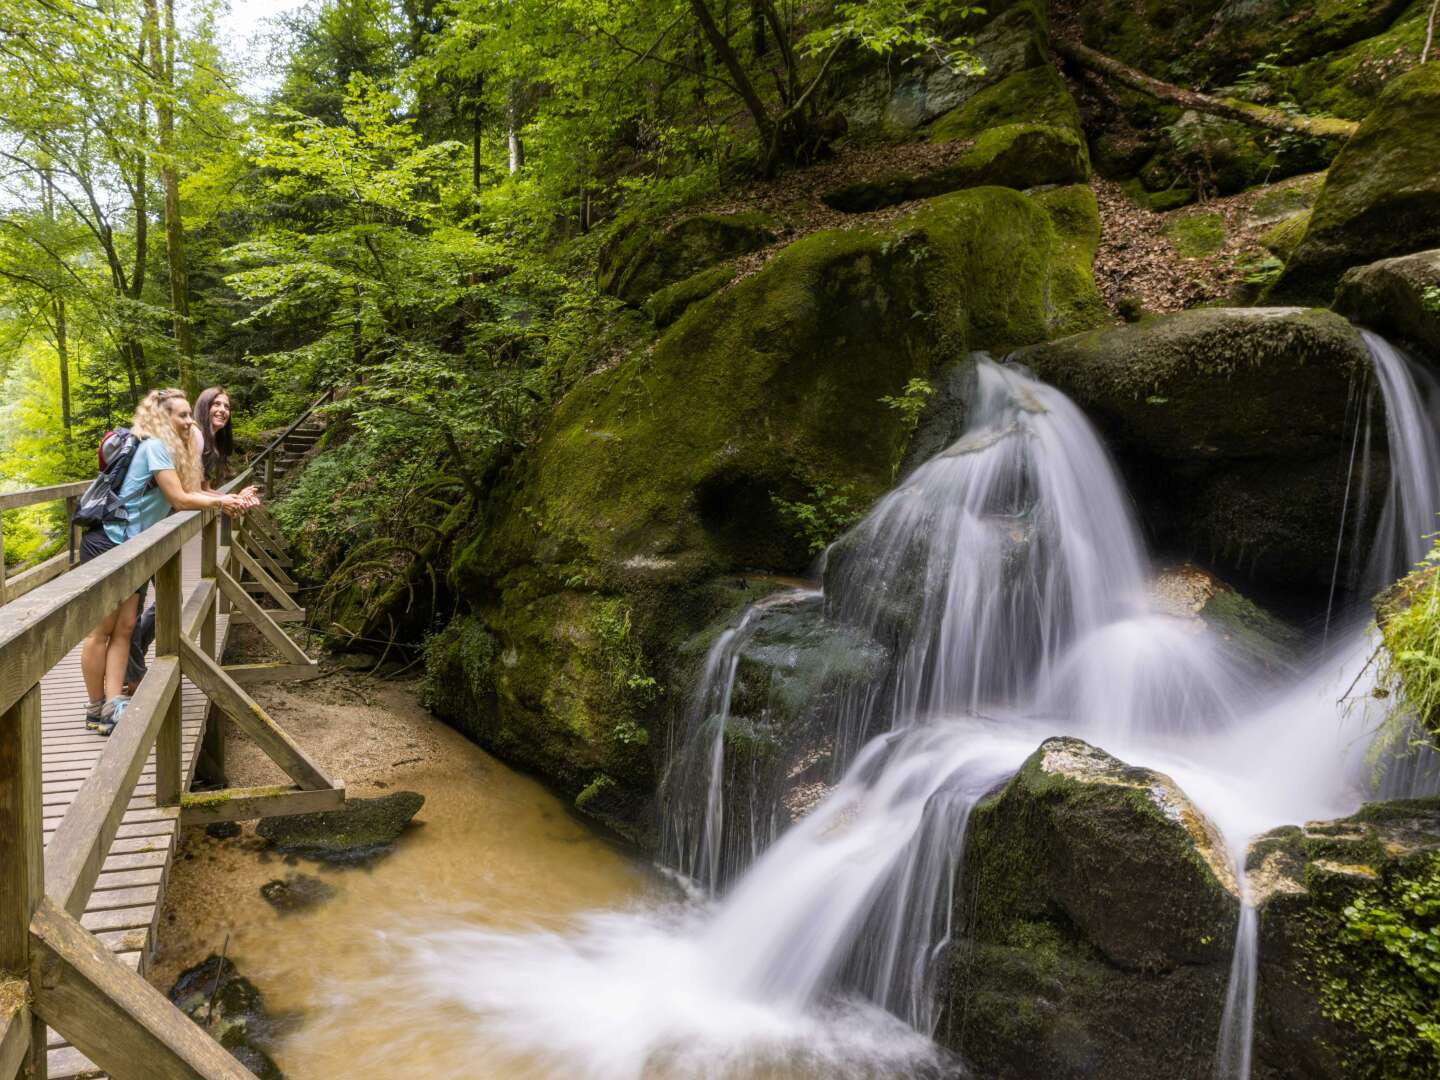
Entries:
{"x":1410,"y":630}
{"x":623,"y":662}
{"x":909,"y":28}
{"x":911,"y":402}
{"x":1430,"y":299}
{"x":1381,"y":978}
{"x":831,"y":509}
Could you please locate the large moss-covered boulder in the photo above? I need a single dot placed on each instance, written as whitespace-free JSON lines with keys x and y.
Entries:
{"x":359,"y":831}
{"x":658,"y":481}
{"x":232,"y":1010}
{"x":640,"y":262}
{"x":1398,"y":297}
{"x":1094,"y":923}
{"x":1231,"y":423}
{"x":1025,"y":132}
{"x":1349,"y":935}
{"x":1382,"y":194}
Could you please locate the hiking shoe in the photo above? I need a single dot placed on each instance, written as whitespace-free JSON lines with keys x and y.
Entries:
{"x":92,"y":716}
{"x":111,"y":713}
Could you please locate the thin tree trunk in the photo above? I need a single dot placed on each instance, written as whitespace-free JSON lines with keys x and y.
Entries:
{"x":475,"y":150}
{"x":163,"y":63}
{"x":1231,"y":108}
{"x":728,"y":57}
{"x":1430,"y":32}
{"x":62,"y":350}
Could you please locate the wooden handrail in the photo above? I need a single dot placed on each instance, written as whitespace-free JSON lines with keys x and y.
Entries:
{"x":270,"y":447}
{"x":54,"y":493}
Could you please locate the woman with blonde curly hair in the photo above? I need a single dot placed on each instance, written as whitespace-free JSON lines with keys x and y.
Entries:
{"x":163,"y":475}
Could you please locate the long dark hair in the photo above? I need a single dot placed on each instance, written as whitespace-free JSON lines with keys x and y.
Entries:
{"x":215,"y":459}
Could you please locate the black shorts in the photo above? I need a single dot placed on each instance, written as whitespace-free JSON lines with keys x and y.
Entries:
{"x":95,"y":543}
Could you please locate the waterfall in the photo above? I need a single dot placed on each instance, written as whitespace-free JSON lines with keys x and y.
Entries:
{"x":1004,"y":584}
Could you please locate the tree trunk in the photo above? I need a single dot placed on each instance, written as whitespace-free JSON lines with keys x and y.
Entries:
{"x":163,"y":63}
{"x":748,"y":94}
{"x":1430,"y":32}
{"x":62,"y":350}
{"x":512,"y":131}
{"x":475,"y":133}
{"x":1246,"y":112}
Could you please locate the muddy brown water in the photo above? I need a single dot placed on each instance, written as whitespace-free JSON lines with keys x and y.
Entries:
{"x":490,"y":848}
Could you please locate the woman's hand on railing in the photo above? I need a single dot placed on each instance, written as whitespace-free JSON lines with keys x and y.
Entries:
{"x":233,"y":504}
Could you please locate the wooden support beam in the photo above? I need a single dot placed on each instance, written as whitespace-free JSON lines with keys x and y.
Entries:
{"x":169,"y":742}
{"x":83,"y":836}
{"x":36,"y":576}
{"x":267,"y":562}
{"x":247,"y":804}
{"x":15,"y":1034}
{"x":246,"y":674}
{"x":274,"y":615}
{"x":22,"y":871}
{"x":199,"y":612}
{"x":210,"y":677}
{"x":278,"y":592}
{"x":113,"y":1016}
{"x":260,"y":619}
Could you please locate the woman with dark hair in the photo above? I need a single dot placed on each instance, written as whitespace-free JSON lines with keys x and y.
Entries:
{"x":216,"y":441}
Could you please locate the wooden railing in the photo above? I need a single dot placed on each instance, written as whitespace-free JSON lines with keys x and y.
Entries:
{"x":70,"y":981}
{"x":37,"y":575}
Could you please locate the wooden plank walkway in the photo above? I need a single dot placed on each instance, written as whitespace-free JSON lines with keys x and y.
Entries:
{"x":125,"y":905}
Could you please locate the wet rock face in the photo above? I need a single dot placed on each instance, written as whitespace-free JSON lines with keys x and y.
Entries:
{"x":1231,"y":425}
{"x":1398,"y":297}
{"x":361,"y":830}
{"x":1094,"y":922}
{"x":228,"y":1006}
{"x":1382,"y":195}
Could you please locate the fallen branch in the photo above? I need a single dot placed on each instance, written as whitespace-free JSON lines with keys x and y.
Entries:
{"x":1324,"y":127}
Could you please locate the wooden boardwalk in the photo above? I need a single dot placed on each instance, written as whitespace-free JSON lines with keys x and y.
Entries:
{"x":88,"y":824}
{"x":124,"y":907}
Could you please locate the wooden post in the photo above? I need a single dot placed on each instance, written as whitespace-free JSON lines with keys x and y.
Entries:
{"x":211,"y":766}
{"x":72,"y":536}
{"x":22,"y":853}
{"x":167,"y":643}
{"x":270,"y":476}
{"x":4,"y":599}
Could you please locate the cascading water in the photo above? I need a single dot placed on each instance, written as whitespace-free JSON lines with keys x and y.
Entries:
{"x":1005,"y":580}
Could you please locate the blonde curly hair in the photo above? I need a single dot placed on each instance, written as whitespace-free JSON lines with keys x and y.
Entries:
{"x":152,"y":421}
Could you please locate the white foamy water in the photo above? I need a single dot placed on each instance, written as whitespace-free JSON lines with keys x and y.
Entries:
{"x":1006,"y":579}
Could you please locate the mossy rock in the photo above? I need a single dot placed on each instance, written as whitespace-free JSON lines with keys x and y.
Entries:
{"x":1398,"y":297}
{"x":1230,"y":423}
{"x":1336,"y":1002}
{"x":1286,"y":199}
{"x":652,"y":488}
{"x":1166,"y":199}
{"x":1196,"y":235}
{"x":1014,"y":155}
{"x":1382,"y":194}
{"x":881,"y":102}
{"x":359,"y":831}
{"x":643,"y":261}
{"x":1347,"y":81}
{"x":1037,"y":95}
{"x":1282,"y":238}
{"x":231,"y":1009}
{"x":1094,"y":925}
{"x":667,"y":305}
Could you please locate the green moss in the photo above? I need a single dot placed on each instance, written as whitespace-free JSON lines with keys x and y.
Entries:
{"x":1252,"y":631}
{"x":671,"y":302}
{"x":1036,"y":95}
{"x":1171,"y":198}
{"x":645,"y":260}
{"x":1196,"y":235}
{"x":594,"y":790}
{"x":1347,"y":81}
{"x":1282,"y":238}
{"x":1288,"y":198}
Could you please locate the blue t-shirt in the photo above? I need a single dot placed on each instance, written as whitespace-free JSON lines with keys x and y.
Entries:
{"x":144,"y":502}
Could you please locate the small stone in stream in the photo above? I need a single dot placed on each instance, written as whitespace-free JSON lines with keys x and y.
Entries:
{"x":238,"y":1020}
{"x":360,"y":830}
{"x":222,"y":830}
{"x":297,"y":892}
